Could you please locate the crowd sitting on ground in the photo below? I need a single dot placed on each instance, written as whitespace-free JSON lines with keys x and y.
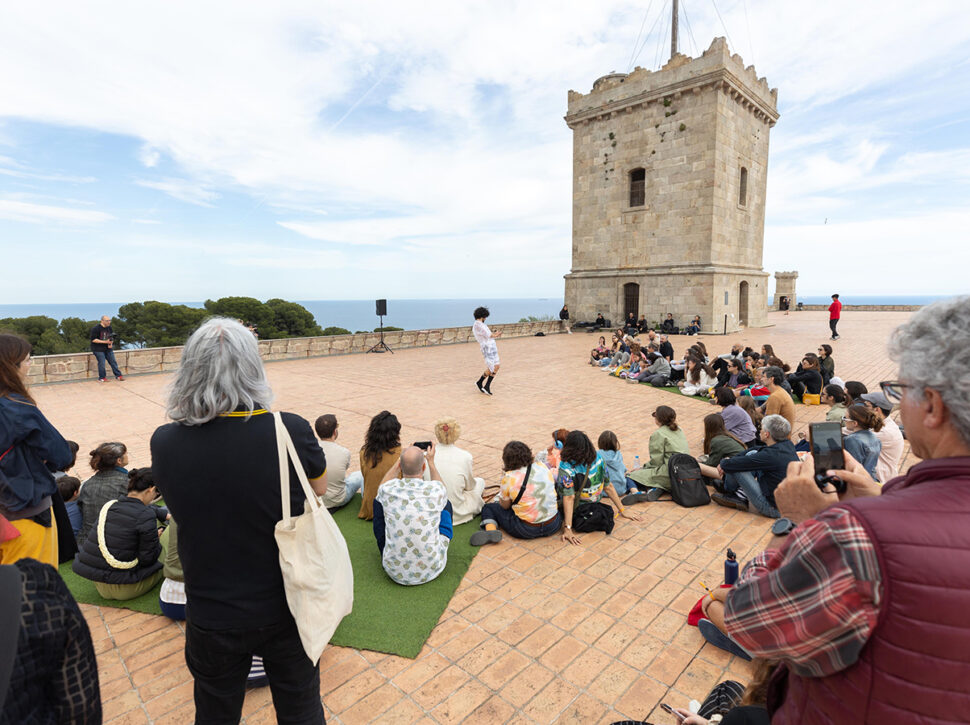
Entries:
{"x":748,"y":457}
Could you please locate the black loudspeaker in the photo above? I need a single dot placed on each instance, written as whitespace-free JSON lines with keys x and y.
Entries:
{"x":381,"y":307}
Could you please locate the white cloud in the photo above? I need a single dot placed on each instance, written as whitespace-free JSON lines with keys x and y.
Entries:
{"x":21,"y":211}
{"x":145,"y":221}
{"x":149,"y":156}
{"x":182,"y":190}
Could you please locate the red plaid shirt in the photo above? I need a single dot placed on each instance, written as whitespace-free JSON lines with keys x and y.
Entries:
{"x":814,"y":602}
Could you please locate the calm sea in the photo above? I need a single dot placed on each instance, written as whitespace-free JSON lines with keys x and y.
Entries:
{"x":417,"y":314}
{"x":351,"y":314}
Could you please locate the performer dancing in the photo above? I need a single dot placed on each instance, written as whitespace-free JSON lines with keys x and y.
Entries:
{"x":486,"y":338}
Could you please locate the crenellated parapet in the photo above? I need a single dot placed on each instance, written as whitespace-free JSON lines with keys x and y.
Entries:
{"x":716,"y":68}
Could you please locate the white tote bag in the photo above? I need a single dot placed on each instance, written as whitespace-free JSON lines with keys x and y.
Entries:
{"x":317,"y":574}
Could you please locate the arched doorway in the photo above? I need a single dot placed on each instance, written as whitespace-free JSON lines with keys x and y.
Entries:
{"x":743,"y":304}
{"x":631,"y":300}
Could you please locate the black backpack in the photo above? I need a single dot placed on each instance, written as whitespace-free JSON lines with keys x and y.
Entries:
{"x":686,"y":482}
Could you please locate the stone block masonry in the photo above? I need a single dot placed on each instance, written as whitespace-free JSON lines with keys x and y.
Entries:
{"x":669,"y":180}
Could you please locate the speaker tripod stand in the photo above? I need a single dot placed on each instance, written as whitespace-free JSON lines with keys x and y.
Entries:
{"x":381,"y":346}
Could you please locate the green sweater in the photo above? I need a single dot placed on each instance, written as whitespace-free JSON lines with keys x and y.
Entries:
{"x":723,"y":447}
{"x":663,"y":444}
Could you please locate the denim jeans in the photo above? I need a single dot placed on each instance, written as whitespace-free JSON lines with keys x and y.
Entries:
{"x":508,"y":521}
{"x":101,"y":356}
{"x":747,"y":481}
{"x":353,"y":483}
{"x":220,"y":660}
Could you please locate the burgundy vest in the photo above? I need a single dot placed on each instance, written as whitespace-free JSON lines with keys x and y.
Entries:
{"x":915,"y":668}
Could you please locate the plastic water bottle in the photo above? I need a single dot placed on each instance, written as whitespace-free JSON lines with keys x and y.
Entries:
{"x":636,"y":463}
{"x":731,"y":568}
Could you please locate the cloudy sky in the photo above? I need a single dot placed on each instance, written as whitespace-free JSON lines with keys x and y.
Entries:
{"x":323,"y":150}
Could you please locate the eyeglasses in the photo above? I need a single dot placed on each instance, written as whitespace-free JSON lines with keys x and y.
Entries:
{"x":893,"y":390}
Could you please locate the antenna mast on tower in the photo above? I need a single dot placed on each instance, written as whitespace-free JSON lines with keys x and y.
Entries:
{"x":675,"y":11}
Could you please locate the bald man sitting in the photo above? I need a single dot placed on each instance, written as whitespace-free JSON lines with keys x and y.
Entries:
{"x":413,"y":519}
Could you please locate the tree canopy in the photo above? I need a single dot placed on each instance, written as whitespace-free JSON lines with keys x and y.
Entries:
{"x":160,"y":324}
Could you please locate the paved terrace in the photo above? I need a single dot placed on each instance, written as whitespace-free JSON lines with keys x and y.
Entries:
{"x":537,"y":631}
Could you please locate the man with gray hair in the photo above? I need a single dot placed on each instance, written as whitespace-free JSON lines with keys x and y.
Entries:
{"x":754,"y":476}
{"x":865,"y":601}
{"x":413,"y":519}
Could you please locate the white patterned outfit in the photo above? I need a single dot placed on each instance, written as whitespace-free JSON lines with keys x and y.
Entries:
{"x":487,"y":343}
{"x":411,"y":515}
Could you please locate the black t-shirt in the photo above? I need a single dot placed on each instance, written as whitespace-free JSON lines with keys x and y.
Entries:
{"x":99,"y":333}
{"x":221,"y":483}
{"x":667,"y":350}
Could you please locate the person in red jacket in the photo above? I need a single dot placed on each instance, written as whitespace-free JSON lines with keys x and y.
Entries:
{"x":835,"y":312}
{"x":865,"y":601}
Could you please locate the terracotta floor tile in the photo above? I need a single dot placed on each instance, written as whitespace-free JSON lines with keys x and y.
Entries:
{"x":461,"y":703}
{"x":522,"y":604}
{"x":373,"y":705}
{"x":547,"y":704}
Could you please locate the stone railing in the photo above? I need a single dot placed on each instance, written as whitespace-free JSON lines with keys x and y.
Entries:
{"x":861,"y":308}
{"x":83,"y":366}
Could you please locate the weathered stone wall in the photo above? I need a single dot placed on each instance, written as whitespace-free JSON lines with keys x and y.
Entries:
{"x":691,"y":126}
{"x":863,"y":308}
{"x":83,"y":366}
{"x":785,"y":287}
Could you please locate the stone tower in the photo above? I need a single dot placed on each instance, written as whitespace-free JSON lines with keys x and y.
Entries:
{"x":785,"y":287}
{"x":669,"y":178}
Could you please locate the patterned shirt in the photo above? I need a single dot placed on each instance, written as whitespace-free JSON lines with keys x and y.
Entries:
{"x":538,"y":502}
{"x":814,"y":602}
{"x":481,"y":332}
{"x":412,"y":524}
{"x":595,"y":477}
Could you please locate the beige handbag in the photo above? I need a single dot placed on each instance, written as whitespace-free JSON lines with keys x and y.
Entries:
{"x":317,"y":573}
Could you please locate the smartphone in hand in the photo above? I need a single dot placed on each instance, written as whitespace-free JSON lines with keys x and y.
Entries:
{"x":828,"y":453}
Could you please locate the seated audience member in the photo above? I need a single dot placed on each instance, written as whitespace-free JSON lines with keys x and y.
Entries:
{"x":379,"y":454}
{"x":862,"y":597}
{"x":826,"y":363}
{"x":834,"y":397}
{"x":668,"y":325}
{"x":642,"y":324}
{"x":581,"y":483}
{"x":630,"y":327}
{"x":69,"y":489}
{"x":749,"y":406}
{"x":651,"y":337}
{"x":454,"y":464}
{"x":732,"y":376}
{"x":50,"y":672}
{"x":66,"y":533}
{"x":526,"y":508}
{"x":757,"y":473}
{"x":854,"y":390}
{"x":785,"y":368}
{"x":890,"y":437}
{"x":861,"y":440}
{"x":698,"y":378}
{"x":779,"y":400}
{"x":413,"y":519}
{"x":694,"y":327}
{"x":808,"y":377}
{"x":609,"y":451}
{"x":734,"y":703}
{"x":600,"y":321}
{"x":340,"y":487}
{"x":614,"y":349}
{"x":667,"y":440}
{"x":737,"y":421}
{"x":550,"y":456}
{"x":719,"y":443}
{"x":666,"y":349}
{"x":120,"y":554}
{"x":737,"y":352}
{"x":656,"y":372}
{"x":109,"y":483}
{"x":767,"y":351}
{"x":598,"y":352}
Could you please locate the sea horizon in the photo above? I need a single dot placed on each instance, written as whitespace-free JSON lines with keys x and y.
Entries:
{"x":416,"y":314}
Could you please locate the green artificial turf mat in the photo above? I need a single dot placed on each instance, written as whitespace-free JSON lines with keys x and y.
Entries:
{"x":85,"y":593}
{"x":387,"y":617}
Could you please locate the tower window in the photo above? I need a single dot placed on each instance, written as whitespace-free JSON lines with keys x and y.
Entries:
{"x":638,"y":187}
{"x":743,"y":188}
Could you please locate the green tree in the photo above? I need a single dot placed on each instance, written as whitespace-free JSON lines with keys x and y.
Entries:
{"x":293,"y":319}
{"x":247,"y":309}
{"x":33,"y":328}
{"x":335,"y":331}
{"x":75,"y":334}
{"x":157,"y":324}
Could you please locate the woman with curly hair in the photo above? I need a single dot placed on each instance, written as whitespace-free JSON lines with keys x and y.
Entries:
{"x":381,"y":450}
{"x":454,"y":465}
{"x":486,"y":340}
{"x":30,"y":447}
{"x":109,"y":482}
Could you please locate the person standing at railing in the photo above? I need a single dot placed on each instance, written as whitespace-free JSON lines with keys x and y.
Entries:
{"x":102,"y":344}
